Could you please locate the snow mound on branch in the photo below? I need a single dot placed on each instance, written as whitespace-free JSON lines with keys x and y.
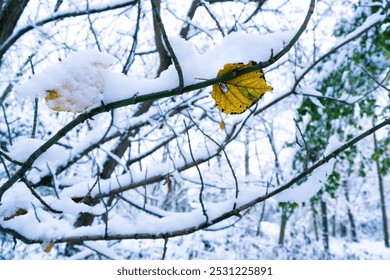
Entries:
{"x":18,"y":197}
{"x":22,"y":149}
{"x":72,"y":85}
{"x":316,"y":180}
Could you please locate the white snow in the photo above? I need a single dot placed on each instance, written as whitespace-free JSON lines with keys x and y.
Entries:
{"x":315,"y":181}
{"x":18,"y":197}
{"x":22,"y":148}
{"x":371,"y":20}
{"x":311,"y":91}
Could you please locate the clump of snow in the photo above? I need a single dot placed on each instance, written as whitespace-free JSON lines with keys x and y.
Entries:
{"x":17,"y":197}
{"x":311,"y":91}
{"x":22,"y":148}
{"x":73,"y":84}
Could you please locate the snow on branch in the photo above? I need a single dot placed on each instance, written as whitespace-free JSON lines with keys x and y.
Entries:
{"x":30,"y":229}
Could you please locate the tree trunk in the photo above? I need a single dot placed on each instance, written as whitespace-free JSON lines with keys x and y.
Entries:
{"x":334,"y":225}
{"x":246,"y":159}
{"x":10,"y":12}
{"x":315,"y":226}
{"x":382,"y":197}
{"x":325,"y":229}
{"x":283,"y":223}
{"x":349,"y":213}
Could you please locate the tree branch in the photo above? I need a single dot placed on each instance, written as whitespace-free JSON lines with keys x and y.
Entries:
{"x":58,"y":16}
{"x":160,"y":24}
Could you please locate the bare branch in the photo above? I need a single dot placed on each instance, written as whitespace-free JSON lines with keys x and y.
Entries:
{"x":59,"y":16}
{"x":200,"y":177}
{"x":214,"y":18}
{"x":159,"y":22}
{"x":131,"y":55}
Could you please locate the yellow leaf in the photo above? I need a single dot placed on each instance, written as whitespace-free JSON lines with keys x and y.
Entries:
{"x":222,"y":125}
{"x":236,"y":95}
{"x":57,"y":102}
{"x":47,"y":246}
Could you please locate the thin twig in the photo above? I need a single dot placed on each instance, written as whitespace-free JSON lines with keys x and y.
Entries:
{"x":258,"y":231}
{"x":344,"y":102}
{"x":165,"y":248}
{"x":35,"y":212}
{"x":304,"y":142}
{"x":159,"y":22}
{"x":55,"y":183}
{"x":91,"y":27}
{"x":200,"y":177}
{"x":7,"y":157}
{"x":35,"y":119}
{"x":5,"y":167}
{"x":36,"y":195}
{"x":7,"y":124}
{"x":213,"y":17}
{"x":227,"y":159}
{"x":381,"y":84}
{"x":7,"y":90}
{"x":130,"y":57}
{"x":142,"y":208}
{"x":258,"y":8}
{"x":104,"y":204}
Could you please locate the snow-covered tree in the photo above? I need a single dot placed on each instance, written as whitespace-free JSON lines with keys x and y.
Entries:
{"x":148,"y":129}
